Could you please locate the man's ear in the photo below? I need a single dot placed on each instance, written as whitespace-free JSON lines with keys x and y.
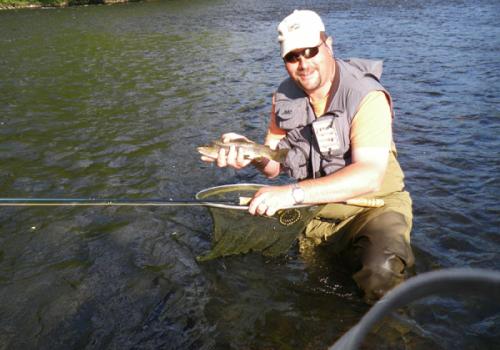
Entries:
{"x":329,"y":44}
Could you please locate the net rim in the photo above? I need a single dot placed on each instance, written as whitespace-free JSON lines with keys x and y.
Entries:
{"x":200,"y":193}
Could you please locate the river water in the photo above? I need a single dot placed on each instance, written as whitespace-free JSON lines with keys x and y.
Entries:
{"x":111,"y":101}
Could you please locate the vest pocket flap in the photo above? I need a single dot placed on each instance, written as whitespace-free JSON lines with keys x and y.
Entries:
{"x":291,"y":115}
{"x":283,"y":111}
{"x":296,"y":160}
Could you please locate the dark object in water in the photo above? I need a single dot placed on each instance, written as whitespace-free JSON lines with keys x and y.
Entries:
{"x":447,"y":281}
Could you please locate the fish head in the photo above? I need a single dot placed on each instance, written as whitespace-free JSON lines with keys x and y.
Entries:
{"x":208,"y":151}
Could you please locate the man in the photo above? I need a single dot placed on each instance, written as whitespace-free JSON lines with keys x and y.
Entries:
{"x":335,"y":118}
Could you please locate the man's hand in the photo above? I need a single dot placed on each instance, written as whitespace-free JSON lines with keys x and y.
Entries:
{"x":268,"y":200}
{"x":233,"y":157}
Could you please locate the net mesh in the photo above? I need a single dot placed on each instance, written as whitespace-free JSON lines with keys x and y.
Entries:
{"x":235,"y":231}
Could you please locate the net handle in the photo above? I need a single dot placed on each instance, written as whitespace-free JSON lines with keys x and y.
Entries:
{"x":358,"y":202}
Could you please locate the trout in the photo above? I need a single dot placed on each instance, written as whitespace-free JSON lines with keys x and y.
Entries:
{"x":250,"y":150}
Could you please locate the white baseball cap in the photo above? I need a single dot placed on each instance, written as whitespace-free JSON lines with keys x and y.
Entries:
{"x":300,"y":30}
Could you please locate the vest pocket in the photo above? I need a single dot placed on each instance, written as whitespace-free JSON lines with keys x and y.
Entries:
{"x":327,"y":136}
{"x":334,"y":161}
{"x":290,"y":116}
{"x":297,"y":160}
{"x":331,"y":165}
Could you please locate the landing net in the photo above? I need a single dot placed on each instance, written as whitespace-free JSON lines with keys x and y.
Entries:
{"x":235,"y":231}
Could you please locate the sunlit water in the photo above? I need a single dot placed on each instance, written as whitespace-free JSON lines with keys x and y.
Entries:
{"x":111,"y":101}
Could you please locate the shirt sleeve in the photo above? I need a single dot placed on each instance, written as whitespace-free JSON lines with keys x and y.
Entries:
{"x":372,"y":124}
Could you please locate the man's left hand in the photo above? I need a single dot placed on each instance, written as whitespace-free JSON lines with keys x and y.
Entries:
{"x":268,"y":200}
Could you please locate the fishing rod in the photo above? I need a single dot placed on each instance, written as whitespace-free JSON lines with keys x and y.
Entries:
{"x":23,"y":202}
{"x":242,"y":201}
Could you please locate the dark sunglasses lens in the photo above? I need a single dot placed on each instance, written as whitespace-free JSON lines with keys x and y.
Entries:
{"x":293,"y":57}
{"x":311,"y":52}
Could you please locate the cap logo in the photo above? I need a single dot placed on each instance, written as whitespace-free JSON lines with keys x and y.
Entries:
{"x":298,"y":30}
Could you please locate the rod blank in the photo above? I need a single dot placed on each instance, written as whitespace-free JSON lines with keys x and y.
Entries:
{"x":25,"y":202}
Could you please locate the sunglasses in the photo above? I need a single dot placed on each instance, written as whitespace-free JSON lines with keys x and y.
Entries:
{"x":310,"y":52}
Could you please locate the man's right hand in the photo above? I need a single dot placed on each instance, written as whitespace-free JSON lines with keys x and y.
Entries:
{"x":233,"y":157}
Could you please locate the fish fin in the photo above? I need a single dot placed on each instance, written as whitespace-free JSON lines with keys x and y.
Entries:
{"x":282,"y":153}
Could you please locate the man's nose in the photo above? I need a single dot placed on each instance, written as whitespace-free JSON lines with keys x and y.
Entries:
{"x":302,"y":62}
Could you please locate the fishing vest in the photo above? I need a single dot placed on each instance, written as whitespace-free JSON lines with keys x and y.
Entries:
{"x":354,"y":79}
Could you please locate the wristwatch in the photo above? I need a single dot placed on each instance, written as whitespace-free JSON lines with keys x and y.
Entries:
{"x":298,"y":194}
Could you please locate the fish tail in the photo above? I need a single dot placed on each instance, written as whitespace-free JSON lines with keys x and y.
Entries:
{"x":281,"y":155}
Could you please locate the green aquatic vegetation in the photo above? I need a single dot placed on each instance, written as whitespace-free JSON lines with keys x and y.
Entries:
{"x":5,"y":4}
{"x":71,"y":264}
{"x":9,"y":4}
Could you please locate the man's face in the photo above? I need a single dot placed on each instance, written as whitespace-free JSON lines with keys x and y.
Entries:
{"x":310,"y":73}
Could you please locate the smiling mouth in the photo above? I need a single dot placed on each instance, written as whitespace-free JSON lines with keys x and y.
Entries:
{"x":306,"y":76}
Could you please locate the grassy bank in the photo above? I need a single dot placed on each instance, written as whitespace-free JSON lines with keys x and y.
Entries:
{"x":12,"y":4}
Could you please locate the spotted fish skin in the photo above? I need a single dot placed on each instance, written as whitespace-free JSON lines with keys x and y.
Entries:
{"x":250,"y":150}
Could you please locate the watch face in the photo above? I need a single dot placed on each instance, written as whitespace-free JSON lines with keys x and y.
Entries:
{"x":298,"y":195}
